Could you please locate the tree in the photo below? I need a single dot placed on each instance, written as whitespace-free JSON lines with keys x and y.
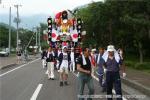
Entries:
{"x":122,"y":23}
{"x":43,"y":26}
{"x":136,"y":18}
{"x":4,"y":35}
{"x":25,"y":36}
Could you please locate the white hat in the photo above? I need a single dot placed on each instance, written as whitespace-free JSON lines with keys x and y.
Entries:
{"x":64,"y":47}
{"x":110,"y":48}
{"x":93,"y":50}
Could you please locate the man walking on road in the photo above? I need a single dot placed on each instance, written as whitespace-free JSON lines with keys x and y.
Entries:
{"x":93,"y":60}
{"x":100,"y":63}
{"x":50,"y":63}
{"x":84,"y":68}
{"x":64,"y":59}
{"x":18,"y":53}
{"x":112,"y":64}
{"x":72,"y":65}
{"x":43,"y":57}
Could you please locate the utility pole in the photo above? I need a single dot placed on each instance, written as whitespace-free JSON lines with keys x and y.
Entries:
{"x":36,"y":36}
{"x":9,"y":36}
{"x":9,"y":43}
{"x":17,"y":20}
{"x":39,"y":40}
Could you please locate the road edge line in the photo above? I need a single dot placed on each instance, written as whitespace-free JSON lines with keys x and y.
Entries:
{"x":18,"y":67}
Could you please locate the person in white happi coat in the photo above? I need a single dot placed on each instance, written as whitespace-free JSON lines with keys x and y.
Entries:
{"x":64,"y":60}
{"x":50,"y":63}
{"x":43,"y":57}
{"x":72,"y":65}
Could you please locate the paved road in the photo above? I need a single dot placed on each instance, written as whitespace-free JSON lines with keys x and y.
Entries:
{"x":29,"y":81}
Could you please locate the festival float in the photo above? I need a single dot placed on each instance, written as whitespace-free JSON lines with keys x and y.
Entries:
{"x":65,"y":30}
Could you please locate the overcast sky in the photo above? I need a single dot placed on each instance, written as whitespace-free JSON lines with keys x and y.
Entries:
{"x":31,"y":7}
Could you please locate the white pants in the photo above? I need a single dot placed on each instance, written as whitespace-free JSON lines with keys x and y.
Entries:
{"x":64,"y":67}
{"x":43,"y":63}
{"x":57,"y":65}
{"x":64,"y":70}
{"x":50,"y":68}
{"x":72,"y":66}
{"x":19,"y":57}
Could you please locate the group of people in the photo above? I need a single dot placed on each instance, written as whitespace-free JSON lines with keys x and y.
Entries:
{"x":21,"y":56}
{"x":62,"y":60}
{"x":109,"y":63}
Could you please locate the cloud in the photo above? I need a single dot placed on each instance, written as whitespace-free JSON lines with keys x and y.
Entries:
{"x":30,"y":7}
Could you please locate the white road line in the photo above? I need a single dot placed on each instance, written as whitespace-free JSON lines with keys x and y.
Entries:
{"x":98,"y":80}
{"x":36,"y":92}
{"x":18,"y":67}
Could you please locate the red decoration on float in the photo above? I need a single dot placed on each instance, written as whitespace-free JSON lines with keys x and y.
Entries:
{"x":75,"y":35}
{"x":53,"y":35}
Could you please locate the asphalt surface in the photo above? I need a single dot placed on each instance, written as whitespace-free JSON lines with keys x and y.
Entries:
{"x":29,"y":82}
